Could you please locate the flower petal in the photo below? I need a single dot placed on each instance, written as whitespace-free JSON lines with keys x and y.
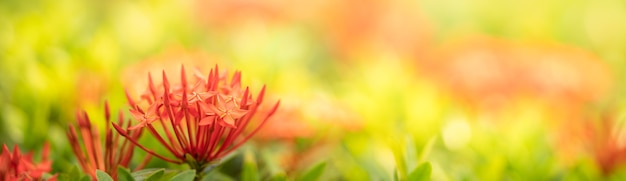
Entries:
{"x":140,"y":125}
{"x":238,"y":113}
{"x":197,"y":87}
{"x":178,"y":116}
{"x":194,"y":111}
{"x":151,"y":119}
{"x":229,"y":121}
{"x":153,"y":108}
{"x":213,"y":109}
{"x":206,"y":95}
{"x":208,"y":120}
{"x":136,"y":114}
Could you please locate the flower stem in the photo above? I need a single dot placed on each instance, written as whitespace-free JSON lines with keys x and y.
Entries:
{"x":196,"y":165}
{"x":199,"y":172}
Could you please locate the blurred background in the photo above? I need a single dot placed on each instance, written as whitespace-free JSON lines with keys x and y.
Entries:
{"x":480,"y":89}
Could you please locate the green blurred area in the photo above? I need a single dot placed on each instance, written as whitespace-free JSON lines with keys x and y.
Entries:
{"x":369,"y":89}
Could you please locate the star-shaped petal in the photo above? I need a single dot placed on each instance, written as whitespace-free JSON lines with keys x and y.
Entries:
{"x":144,"y":117}
{"x":227,"y":116}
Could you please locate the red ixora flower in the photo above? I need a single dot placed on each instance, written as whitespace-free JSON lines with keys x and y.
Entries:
{"x":15,"y":166}
{"x":92,"y":156}
{"x":201,"y":122}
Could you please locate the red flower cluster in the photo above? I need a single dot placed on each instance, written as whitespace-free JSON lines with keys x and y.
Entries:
{"x":15,"y":166}
{"x":201,"y":122}
{"x":90,"y":153}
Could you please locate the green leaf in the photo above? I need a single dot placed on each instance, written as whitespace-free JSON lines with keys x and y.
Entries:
{"x":103,"y":176}
{"x":399,"y":155}
{"x":410,"y":153}
{"x":46,"y":176}
{"x":279,"y":177}
{"x":427,"y":148}
{"x":421,"y":173}
{"x":217,"y":175}
{"x":124,"y":175}
{"x":156,"y":175}
{"x":273,"y":168}
{"x":146,"y":173}
{"x":73,"y":175}
{"x":250,"y":171}
{"x":85,"y":178}
{"x":187,"y":175}
{"x":314,"y":173}
{"x":395,"y":175}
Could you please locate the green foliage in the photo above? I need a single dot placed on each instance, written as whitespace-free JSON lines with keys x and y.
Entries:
{"x":313,"y":173}
{"x":250,"y":171}
{"x":148,"y":174}
{"x":156,"y":176}
{"x":103,"y":176}
{"x":74,"y":174}
{"x":217,"y":175}
{"x":427,"y":149}
{"x":187,"y":175}
{"x":278,"y":177}
{"x":421,"y":173}
{"x":407,"y":157}
{"x":124,"y":174}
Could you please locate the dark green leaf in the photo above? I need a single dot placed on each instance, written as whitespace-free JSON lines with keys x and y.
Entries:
{"x":187,"y":175}
{"x":314,"y":173}
{"x":156,"y":175}
{"x":103,"y":176}
{"x":124,"y":175}
{"x":421,"y":173}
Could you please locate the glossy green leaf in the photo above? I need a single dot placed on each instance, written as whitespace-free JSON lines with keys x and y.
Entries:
{"x":314,"y":173}
{"x":156,"y":175}
{"x":124,"y":174}
{"x":421,"y":173}
{"x":103,"y":176}
{"x":187,"y":175}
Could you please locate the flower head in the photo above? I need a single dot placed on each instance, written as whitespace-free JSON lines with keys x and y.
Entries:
{"x":88,"y":147}
{"x":201,"y":122}
{"x":15,"y":166}
{"x":144,"y":117}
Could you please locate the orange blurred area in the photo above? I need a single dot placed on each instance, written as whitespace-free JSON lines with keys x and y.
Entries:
{"x":135,"y":77}
{"x":489,"y":73}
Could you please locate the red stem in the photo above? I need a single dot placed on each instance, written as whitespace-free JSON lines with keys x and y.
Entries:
{"x":123,"y":133}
